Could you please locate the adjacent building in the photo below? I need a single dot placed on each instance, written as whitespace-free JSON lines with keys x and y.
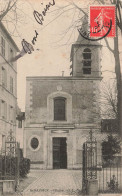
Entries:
{"x":20,"y":121}
{"x":8,"y":85}
{"x":60,"y":111}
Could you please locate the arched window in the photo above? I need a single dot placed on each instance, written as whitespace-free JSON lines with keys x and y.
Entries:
{"x":59,"y":108}
{"x":87,"y":61}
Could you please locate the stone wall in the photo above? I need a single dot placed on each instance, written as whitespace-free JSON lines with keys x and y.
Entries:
{"x":82,"y":114}
{"x":82,"y":92}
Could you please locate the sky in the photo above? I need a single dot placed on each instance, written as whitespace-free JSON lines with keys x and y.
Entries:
{"x":52,"y":49}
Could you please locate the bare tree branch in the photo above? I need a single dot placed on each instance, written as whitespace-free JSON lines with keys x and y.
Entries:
{"x":10,"y":5}
{"x":79,"y":8}
{"x":108,"y":45}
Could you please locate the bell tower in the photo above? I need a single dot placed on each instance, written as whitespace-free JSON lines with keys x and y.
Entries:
{"x":86,"y":58}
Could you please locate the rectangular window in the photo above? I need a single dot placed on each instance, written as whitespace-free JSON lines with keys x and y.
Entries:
{"x":11,"y":85}
{"x":4,"y":109}
{"x":59,"y":108}
{"x":4,"y":77}
{"x":3,"y":142}
{"x":3,"y":46}
{"x":11,"y":113}
{"x":11,"y":56}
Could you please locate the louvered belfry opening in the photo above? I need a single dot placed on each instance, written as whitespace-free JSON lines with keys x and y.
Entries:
{"x":87,"y":61}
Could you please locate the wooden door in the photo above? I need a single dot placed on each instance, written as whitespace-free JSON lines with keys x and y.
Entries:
{"x":59,"y":153}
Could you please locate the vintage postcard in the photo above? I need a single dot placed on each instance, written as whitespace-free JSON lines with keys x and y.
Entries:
{"x":60,"y":97}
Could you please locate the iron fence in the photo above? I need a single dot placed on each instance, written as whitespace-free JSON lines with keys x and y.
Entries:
{"x":9,"y":160}
{"x":110,"y":179}
{"x":8,"y":167}
{"x":108,"y":174}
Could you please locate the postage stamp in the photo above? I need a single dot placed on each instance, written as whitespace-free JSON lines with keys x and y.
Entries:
{"x":102,"y":21}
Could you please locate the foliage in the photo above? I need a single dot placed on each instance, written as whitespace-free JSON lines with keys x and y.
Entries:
{"x":110,"y":148}
{"x":24,"y":167}
{"x":108,"y":100}
{"x":113,"y":184}
{"x":9,"y":164}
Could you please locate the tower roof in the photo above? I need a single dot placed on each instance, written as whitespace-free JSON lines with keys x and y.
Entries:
{"x":83,"y":41}
{"x":85,"y":27}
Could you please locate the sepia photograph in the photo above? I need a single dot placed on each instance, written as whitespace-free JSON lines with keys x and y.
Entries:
{"x":60,"y":97}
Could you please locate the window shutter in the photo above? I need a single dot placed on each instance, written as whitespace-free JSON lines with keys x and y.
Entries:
{"x":0,"y":108}
{"x":5,"y":78}
{"x":9,"y":112}
{"x":11,"y":84}
{"x":3,"y":109}
{"x":11,"y":55}
{"x":3,"y":142}
{"x":14,"y":115}
{"x":5,"y":106}
{"x":2,"y":46}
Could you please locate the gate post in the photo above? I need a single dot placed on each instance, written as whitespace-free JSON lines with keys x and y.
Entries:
{"x":89,"y":179}
{"x":17,"y":166}
{"x":92,"y":187}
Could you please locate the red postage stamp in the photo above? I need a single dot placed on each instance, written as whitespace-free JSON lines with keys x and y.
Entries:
{"x":102,"y":21}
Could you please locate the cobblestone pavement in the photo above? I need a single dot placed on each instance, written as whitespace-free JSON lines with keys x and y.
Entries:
{"x":55,"y":182}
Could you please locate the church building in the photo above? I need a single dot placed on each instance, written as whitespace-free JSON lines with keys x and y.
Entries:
{"x":60,"y":111}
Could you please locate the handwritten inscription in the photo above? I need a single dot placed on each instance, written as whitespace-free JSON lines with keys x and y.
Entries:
{"x":35,"y":38}
{"x":40,"y":17}
{"x":28,"y":48}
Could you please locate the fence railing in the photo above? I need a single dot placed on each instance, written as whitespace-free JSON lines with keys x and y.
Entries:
{"x":110,"y":179}
{"x":8,"y":167}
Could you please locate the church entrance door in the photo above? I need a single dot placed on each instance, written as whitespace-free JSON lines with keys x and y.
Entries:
{"x":59,"y":153}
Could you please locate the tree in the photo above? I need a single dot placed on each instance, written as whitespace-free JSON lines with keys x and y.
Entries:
{"x":115,"y":52}
{"x":81,"y":12}
{"x":12,"y":14}
{"x":108,"y":100}
{"x":110,"y":148}
{"x":6,"y":7}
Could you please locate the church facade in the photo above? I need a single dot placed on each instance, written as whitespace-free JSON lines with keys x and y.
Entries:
{"x":60,"y":111}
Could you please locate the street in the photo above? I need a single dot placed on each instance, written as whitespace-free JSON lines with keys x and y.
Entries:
{"x":53,"y":182}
